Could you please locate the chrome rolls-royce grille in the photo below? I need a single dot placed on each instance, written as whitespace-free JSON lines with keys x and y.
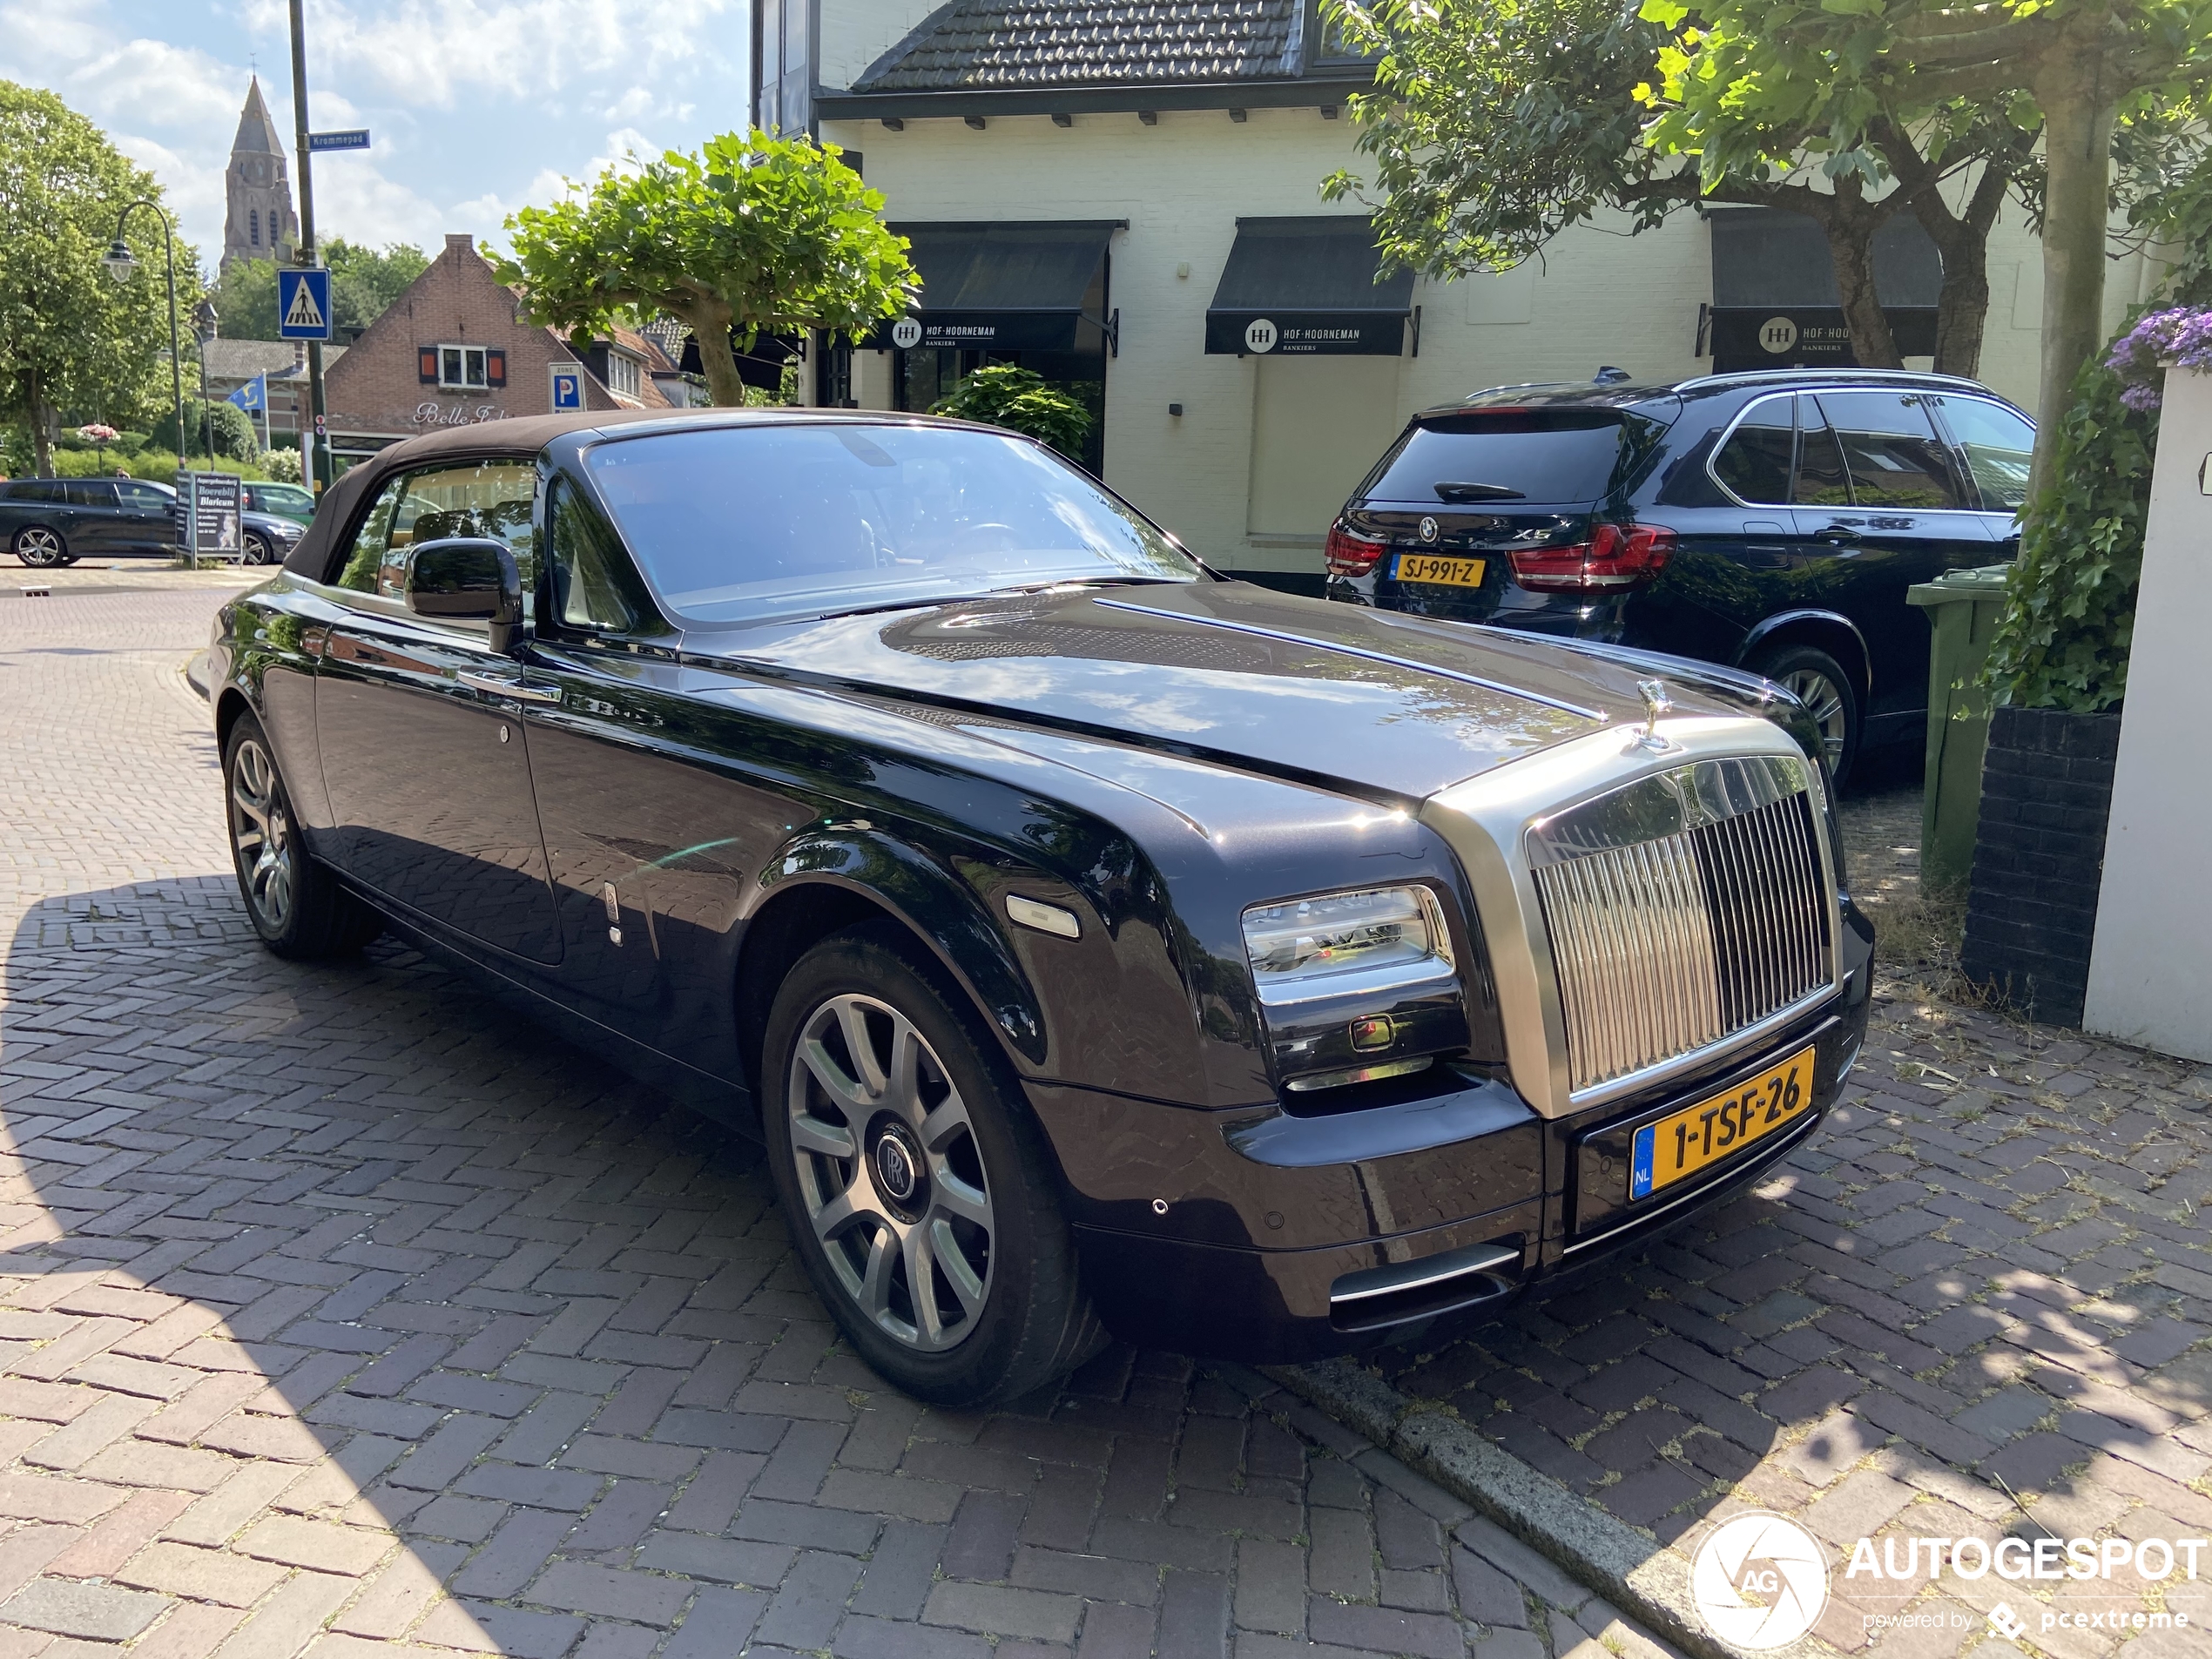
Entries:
{"x":1684,"y":908}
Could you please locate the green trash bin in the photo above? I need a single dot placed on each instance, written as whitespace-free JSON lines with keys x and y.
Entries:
{"x":1963,"y":607}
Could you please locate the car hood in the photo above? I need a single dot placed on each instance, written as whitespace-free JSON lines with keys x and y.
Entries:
{"x":1338,"y":694}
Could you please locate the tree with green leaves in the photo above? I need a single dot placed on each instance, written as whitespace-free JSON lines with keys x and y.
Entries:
{"x":1498,"y":124}
{"x":1021,"y":401}
{"x":71,"y":336}
{"x":1736,"y":72}
{"x":363,"y":282}
{"x":752,"y":236}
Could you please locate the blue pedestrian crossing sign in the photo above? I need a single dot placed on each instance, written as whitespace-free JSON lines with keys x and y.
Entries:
{"x":567,"y":386}
{"x":303,"y":304}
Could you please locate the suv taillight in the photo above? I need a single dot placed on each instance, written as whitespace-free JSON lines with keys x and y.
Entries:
{"x":1349,"y":555}
{"x":1615,"y":558}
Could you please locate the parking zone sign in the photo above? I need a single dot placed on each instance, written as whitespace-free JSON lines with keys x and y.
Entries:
{"x":303,"y":303}
{"x":567,"y":386}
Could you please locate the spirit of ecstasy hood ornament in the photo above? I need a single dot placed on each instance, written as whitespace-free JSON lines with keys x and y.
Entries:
{"x":1656,"y":705}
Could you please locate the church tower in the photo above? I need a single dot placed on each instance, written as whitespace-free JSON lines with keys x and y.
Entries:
{"x":260,"y":222}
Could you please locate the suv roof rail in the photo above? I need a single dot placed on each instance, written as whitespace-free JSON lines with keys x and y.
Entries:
{"x":1757,"y":376}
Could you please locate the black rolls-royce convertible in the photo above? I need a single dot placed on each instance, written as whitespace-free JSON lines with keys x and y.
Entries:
{"x":1098,"y":945}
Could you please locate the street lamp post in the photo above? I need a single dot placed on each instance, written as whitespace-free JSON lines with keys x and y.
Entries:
{"x":205,"y":321}
{"x":120,"y":264}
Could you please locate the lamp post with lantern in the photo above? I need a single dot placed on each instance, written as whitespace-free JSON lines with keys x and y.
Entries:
{"x":121,"y":263}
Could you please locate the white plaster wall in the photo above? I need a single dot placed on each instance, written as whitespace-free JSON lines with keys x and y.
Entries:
{"x":1597,"y":295}
{"x":2150,"y":968}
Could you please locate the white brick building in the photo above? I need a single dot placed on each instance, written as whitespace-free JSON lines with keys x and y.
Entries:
{"x":1154,"y":126}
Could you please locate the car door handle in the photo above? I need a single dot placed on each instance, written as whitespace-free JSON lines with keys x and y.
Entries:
{"x":1842,"y":535}
{"x":501,"y":685}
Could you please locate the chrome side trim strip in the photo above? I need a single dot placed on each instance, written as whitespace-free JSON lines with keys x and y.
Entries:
{"x":1283,"y":637}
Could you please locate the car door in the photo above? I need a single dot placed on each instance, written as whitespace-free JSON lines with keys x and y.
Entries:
{"x":95,"y":526}
{"x":1995,"y":444}
{"x":419,"y":722}
{"x":1878,"y":484}
{"x":146,"y":519}
{"x":648,"y":852}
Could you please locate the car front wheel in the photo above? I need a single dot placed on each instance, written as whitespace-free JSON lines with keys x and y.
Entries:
{"x":920,"y":1194}
{"x":42,"y":548}
{"x":258,"y":550}
{"x":1818,"y":681}
{"x":297,"y":907}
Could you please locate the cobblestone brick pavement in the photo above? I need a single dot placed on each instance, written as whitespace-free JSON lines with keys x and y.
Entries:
{"x":339,"y":1314}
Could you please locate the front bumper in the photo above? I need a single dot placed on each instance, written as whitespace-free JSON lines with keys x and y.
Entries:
{"x":1265,"y":1236}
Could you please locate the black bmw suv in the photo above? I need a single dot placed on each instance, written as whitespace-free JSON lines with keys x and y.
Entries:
{"x":1771,"y":520}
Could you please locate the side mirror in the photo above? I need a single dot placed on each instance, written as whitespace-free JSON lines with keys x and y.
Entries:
{"x":468,"y":579}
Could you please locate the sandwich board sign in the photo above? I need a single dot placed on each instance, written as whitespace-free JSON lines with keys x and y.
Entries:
{"x":211,"y":503}
{"x":303,"y":303}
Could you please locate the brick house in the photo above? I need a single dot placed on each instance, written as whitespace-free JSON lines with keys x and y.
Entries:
{"x":453,"y":350}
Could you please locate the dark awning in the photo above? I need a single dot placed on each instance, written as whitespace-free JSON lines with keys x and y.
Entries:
{"x":1774,"y":301}
{"x":762,"y":367}
{"x":1038,"y":285}
{"x":1305,"y":286}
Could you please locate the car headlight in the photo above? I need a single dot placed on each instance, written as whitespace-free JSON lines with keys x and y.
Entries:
{"x":1355,"y":987}
{"x":1347,"y":941}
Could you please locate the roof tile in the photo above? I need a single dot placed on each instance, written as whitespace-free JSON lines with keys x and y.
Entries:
{"x":980,"y":45}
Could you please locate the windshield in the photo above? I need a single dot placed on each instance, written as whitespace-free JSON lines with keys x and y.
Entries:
{"x":744,"y":523}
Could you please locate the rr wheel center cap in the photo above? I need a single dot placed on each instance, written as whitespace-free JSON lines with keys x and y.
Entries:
{"x":896,"y":1164}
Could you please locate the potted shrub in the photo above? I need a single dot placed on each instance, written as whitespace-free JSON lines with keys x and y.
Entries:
{"x":2058,"y":668}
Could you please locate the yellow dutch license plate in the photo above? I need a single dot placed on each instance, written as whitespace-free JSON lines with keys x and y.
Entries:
{"x":1441,"y":572}
{"x":1682,"y":1143}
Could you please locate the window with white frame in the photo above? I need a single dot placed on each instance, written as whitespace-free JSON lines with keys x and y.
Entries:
{"x":463,"y":366}
{"x":621,"y":374}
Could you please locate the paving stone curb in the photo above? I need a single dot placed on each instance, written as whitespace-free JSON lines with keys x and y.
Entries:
{"x":196,"y":672}
{"x":1649,"y":1583}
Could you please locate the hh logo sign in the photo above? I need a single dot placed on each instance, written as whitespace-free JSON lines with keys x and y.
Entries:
{"x":303,"y":304}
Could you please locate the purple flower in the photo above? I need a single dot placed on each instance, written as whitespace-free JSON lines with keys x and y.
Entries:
{"x":2180,"y":335}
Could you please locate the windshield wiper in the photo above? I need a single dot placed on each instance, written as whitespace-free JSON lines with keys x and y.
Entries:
{"x":1476,"y":492}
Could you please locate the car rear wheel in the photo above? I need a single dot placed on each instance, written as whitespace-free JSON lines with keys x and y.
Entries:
{"x":921,"y":1194}
{"x":297,"y":907}
{"x":1818,"y":681}
{"x":42,"y":548}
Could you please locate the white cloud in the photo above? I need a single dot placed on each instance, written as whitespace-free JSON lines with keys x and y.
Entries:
{"x":153,"y":83}
{"x":522,"y":49}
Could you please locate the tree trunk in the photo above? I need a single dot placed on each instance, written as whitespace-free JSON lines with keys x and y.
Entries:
{"x":1962,"y":241}
{"x":1851,"y":246}
{"x":710,"y":324}
{"x":2077,"y":158}
{"x":42,"y":452}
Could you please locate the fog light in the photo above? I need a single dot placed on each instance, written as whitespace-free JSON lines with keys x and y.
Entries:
{"x":1374,"y":1032}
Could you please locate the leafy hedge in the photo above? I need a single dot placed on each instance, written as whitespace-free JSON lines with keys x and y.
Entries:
{"x":2069,"y":619}
{"x":1021,"y":401}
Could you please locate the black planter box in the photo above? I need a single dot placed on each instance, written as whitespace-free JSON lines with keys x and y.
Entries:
{"x":2039,"y":859}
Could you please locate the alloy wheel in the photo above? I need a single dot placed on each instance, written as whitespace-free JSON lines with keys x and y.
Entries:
{"x":1823,"y":699}
{"x":262,"y":830}
{"x":258,"y":550}
{"x":39,"y":546}
{"x":889,"y":1172}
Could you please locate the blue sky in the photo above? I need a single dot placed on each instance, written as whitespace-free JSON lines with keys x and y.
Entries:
{"x":478,"y":106}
